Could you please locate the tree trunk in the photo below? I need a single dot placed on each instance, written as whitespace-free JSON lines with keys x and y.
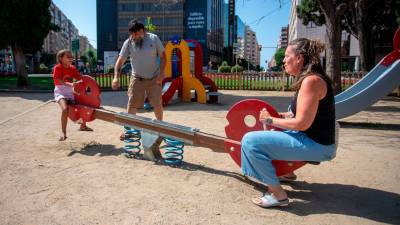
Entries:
{"x":333,"y":56}
{"x":36,"y":62}
{"x":20,"y":66}
{"x":364,"y":40}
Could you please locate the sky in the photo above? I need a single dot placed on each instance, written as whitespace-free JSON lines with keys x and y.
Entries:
{"x":265,"y":17}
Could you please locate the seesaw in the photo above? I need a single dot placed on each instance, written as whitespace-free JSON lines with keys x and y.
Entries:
{"x":147,"y":133}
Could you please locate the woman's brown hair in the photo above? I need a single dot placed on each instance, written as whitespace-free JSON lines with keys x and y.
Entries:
{"x":310,"y":50}
{"x":62,"y":53}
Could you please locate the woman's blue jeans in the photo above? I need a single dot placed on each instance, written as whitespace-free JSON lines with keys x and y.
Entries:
{"x":259,"y":148}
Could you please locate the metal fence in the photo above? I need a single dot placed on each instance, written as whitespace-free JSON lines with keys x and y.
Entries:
{"x":237,"y":81}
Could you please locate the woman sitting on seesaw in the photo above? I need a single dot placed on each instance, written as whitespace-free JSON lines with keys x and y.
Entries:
{"x":309,"y":133}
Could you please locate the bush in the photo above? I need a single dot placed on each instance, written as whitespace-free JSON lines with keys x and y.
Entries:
{"x":236,"y":69}
{"x":43,"y":68}
{"x":224,"y":68}
{"x":110,"y":70}
{"x":279,"y":56}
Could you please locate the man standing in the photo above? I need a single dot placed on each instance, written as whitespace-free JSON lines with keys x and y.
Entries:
{"x":144,"y":49}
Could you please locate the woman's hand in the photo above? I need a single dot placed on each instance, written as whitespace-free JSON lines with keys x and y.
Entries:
{"x":264,"y":114}
{"x":286,"y":115}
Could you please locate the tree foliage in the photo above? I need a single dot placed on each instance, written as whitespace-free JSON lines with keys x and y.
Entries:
{"x":236,"y":69}
{"x":372,"y":22}
{"x":332,"y":13}
{"x":279,"y":56}
{"x":150,"y":27}
{"x":24,"y":25}
{"x":224,"y":68}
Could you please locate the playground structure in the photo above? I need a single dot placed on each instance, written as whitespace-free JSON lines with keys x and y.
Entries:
{"x":205,"y":89}
{"x":149,"y":132}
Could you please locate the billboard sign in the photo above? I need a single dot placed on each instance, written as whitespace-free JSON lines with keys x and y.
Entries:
{"x":110,"y":57}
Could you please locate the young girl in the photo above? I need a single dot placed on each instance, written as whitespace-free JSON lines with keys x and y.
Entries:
{"x":64,"y":74}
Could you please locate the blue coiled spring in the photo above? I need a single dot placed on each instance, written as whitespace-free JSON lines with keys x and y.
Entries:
{"x":173,"y":154}
{"x":132,"y":146}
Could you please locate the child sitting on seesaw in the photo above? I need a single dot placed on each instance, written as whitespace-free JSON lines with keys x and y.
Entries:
{"x":63,"y":75}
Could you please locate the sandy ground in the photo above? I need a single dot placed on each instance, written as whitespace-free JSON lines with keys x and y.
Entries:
{"x":86,"y":179}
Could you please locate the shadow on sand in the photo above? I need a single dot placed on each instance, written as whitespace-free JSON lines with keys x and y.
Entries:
{"x":310,"y":198}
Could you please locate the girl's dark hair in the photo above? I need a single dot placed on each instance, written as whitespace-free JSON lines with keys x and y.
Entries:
{"x":135,"y":25}
{"x":310,"y":50}
{"x":61,"y":54}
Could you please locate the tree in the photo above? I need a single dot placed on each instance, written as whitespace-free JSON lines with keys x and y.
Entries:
{"x":224,"y":68}
{"x":246,"y":64}
{"x":84,"y":59}
{"x":92,"y":59}
{"x":236,"y":69}
{"x":279,"y":56}
{"x":48,"y":58}
{"x":150,"y":27}
{"x":330,"y":13}
{"x":43,"y":68}
{"x":369,"y":21}
{"x":24,"y":25}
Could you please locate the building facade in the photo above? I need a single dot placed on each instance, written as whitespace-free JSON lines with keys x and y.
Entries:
{"x":350,"y":50}
{"x":187,"y":19}
{"x":62,"y":39}
{"x":107,"y":35}
{"x":252,"y":48}
{"x":226,"y":24}
{"x":166,"y":15}
{"x":204,"y":22}
{"x":283,"y":37}
{"x":239,"y":38}
{"x":84,"y":45}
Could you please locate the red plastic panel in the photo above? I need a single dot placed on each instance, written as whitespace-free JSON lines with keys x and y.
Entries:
{"x":176,"y":85}
{"x":198,"y":58}
{"x":395,"y":54}
{"x":80,"y":113}
{"x":88,"y":92}
{"x":87,"y":98}
{"x":237,"y":128}
{"x":391,"y":57}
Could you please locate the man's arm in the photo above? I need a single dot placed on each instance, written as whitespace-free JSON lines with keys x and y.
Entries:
{"x":161,"y":53}
{"x":162,"y":68}
{"x":118,"y":66}
{"x":117,"y":71}
{"x":123,"y":55}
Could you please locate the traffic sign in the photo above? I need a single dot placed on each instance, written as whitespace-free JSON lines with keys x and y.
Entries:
{"x":75,"y":45}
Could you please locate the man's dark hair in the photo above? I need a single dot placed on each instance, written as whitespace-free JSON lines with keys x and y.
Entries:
{"x":135,"y":25}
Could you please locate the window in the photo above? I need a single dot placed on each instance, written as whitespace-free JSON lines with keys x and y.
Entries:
{"x":149,"y":7}
{"x":173,"y":21}
{"x":311,"y":25}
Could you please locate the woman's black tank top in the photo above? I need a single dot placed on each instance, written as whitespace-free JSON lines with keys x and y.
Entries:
{"x":322,"y":130}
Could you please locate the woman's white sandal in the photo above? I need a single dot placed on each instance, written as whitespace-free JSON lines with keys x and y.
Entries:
{"x":268,"y":201}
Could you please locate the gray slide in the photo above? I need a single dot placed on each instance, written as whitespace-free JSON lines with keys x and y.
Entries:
{"x":372,"y":75}
{"x":379,"y":82}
